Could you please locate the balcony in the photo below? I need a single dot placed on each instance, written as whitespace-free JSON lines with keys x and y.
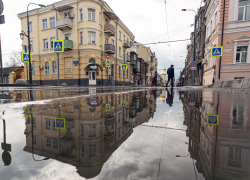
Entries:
{"x":68,"y":45}
{"x":126,"y":44}
{"x":126,"y":58}
{"x":64,"y":24}
{"x":109,"y":137}
{"x":109,"y":120}
{"x":109,"y":49}
{"x":132,"y":62}
{"x":133,"y":47}
{"x":152,"y":59}
{"x":109,"y":29}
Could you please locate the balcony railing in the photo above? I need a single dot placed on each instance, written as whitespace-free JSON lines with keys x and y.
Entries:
{"x":132,"y":62}
{"x":126,"y":44}
{"x":68,"y":45}
{"x":109,"y":49}
{"x":126,"y":58}
{"x":109,"y":29}
{"x":152,"y":59}
{"x":109,"y":120}
{"x":64,"y":24}
{"x":133,"y":47}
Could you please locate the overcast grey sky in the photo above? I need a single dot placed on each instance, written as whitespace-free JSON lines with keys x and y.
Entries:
{"x":145,"y":18}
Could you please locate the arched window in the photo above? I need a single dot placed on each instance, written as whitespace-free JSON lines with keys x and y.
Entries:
{"x":54,"y":68}
{"x":92,"y":61}
{"x":33,"y":69}
{"x":46,"y":68}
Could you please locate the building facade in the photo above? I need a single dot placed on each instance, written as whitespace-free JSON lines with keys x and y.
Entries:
{"x":90,"y":30}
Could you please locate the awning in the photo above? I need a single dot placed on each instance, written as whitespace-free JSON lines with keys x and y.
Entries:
{"x":93,"y":67}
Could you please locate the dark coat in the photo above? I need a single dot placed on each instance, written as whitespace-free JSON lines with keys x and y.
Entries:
{"x":170,"y":72}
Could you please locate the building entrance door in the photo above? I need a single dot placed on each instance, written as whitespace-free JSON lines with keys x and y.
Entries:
{"x":92,"y":77}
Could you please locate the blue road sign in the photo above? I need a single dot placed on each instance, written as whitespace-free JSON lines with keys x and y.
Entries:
{"x":107,"y":107}
{"x":212,"y":119}
{"x":58,"y":46}
{"x":60,"y":123}
{"x":124,"y":67}
{"x":26,"y":58}
{"x":123,"y":103}
{"x":193,"y":64}
{"x":191,"y":107}
{"x":216,"y":51}
{"x":107,"y":63}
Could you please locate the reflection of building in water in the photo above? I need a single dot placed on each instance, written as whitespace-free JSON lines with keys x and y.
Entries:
{"x":228,"y":157}
{"x":92,"y":134}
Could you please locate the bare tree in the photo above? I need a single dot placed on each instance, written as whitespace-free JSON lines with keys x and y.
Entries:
{"x":15,"y":59}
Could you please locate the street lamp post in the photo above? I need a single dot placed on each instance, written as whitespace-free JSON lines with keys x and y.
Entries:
{"x":195,"y":22}
{"x":185,"y":71}
{"x":30,"y":70}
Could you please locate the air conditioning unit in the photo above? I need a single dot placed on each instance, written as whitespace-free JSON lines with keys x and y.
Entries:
{"x":71,"y":16}
{"x":41,"y":67}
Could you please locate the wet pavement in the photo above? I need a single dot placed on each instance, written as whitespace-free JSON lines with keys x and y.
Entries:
{"x":124,"y":133}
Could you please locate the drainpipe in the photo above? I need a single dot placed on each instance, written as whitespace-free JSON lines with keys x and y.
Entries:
{"x":222,"y":35}
{"x":116,"y":52}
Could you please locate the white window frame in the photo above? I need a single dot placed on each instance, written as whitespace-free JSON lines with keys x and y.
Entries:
{"x":54,"y":22}
{"x":244,"y":12}
{"x":51,"y":42}
{"x":92,"y":15}
{"x":46,"y":74}
{"x":54,"y":67}
{"x":30,"y":26}
{"x":211,"y":25}
{"x":81,"y":37}
{"x":47,"y":124}
{"x":33,"y":69}
{"x":45,"y":24}
{"x":215,"y":19}
{"x":81,"y":14}
{"x":48,"y":142}
{"x":235,"y":52}
{"x":91,"y":38}
{"x":45,"y":46}
{"x":31,"y":45}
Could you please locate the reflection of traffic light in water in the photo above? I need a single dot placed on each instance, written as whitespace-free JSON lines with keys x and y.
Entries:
{"x":6,"y":157}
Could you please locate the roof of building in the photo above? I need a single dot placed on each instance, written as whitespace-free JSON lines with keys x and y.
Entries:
{"x":8,"y":70}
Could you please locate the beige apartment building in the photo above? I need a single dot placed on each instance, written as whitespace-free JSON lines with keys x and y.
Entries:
{"x":149,"y":57}
{"x":90,"y":30}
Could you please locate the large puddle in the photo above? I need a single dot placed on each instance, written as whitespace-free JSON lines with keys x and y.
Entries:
{"x":124,"y":133}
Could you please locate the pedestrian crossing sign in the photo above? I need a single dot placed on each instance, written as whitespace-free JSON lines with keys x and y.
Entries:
{"x":216,"y":51}
{"x":60,"y":123}
{"x":26,"y":57}
{"x":123,"y":103}
{"x":124,"y":67}
{"x":107,"y":107}
{"x":107,"y":63}
{"x":212,"y":119}
{"x":58,"y":46}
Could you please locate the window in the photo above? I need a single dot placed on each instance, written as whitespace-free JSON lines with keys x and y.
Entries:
{"x":82,"y":130}
{"x":91,"y":14}
{"x":66,"y":15}
{"x":92,"y":131}
{"x":34,"y":139}
{"x":82,"y":147}
{"x":81,"y":14}
{"x":81,"y":38}
{"x":119,"y":132}
{"x":51,"y":42}
{"x":54,"y":127}
{"x":113,"y":42}
{"x":211,"y":26}
{"x":100,"y":18}
{"x":33,"y":69}
{"x":238,"y":118}
{"x":234,"y":156}
{"x":47,"y":124}
{"x":106,"y":21}
{"x":52,"y":22}
{"x":46,"y":69}
{"x":244,"y":10}
{"x":120,"y":35}
{"x":45,"y":24}
{"x":100,"y":40}
{"x":119,"y":71}
{"x":45,"y":44}
{"x":106,"y":71}
{"x":124,"y":38}
{"x":106,"y":41}
{"x":215,"y":20}
{"x":91,"y":37}
{"x":48,"y":141}
{"x":30,"y":26}
{"x":31,"y":45}
{"x":67,"y":37}
{"x":207,"y":31}
{"x":120,"y":51}
{"x":54,"y":68}
{"x":241,"y":54}
{"x":92,"y":151}
{"x":55,"y":143}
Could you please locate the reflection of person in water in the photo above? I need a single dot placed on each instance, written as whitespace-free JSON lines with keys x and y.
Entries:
{"x":154,"y":93}
{"x":170,"y":97}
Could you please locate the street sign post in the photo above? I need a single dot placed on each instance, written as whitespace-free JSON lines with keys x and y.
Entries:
{"x":217,"y":51}
{"x":123,"y":103}
{"x":124,"y":67}
{"x":212,"y":119}
{"x":58,"y":46}
{"x":60,"y":123}
{"x":26,"y":58}
{"x":107,"y":107}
